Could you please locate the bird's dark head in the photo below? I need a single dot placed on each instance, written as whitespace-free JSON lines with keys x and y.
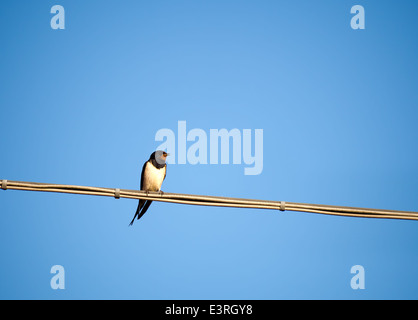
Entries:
{"x":159,"y":157}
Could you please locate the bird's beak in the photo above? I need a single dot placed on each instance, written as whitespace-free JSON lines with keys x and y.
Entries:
{"x":167,"y":154}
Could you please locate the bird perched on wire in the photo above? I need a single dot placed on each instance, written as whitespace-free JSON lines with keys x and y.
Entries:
{"x":152,"y":177}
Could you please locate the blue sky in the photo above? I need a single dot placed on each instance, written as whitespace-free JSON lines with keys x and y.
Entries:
{"x":338,"y":109}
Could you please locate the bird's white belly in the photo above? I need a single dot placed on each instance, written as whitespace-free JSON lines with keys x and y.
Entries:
{"x":153,"y":178}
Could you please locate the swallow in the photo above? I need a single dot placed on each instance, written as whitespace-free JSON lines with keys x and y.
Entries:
{"x":152,"y":177}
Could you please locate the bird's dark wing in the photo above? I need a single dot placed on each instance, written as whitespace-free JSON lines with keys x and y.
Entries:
{"x":144,"y":209}
{"x":142,"y":174}
{"x":165,"y":174}
{"x":140,"y":205}
{"x":142,"y":202}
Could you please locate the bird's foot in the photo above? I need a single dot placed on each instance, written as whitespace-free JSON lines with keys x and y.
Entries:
{"x":161,"y":192}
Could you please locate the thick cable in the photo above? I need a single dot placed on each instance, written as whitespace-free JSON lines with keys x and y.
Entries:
{"x":203,"y":200}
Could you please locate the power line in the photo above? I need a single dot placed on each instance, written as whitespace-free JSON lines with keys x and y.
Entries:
{"x":210,"y":200}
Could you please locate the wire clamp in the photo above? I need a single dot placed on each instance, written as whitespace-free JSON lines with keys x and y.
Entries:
{"x":4,"y":184}
{"x":282,"y":206}
{"x":117,"y":193}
